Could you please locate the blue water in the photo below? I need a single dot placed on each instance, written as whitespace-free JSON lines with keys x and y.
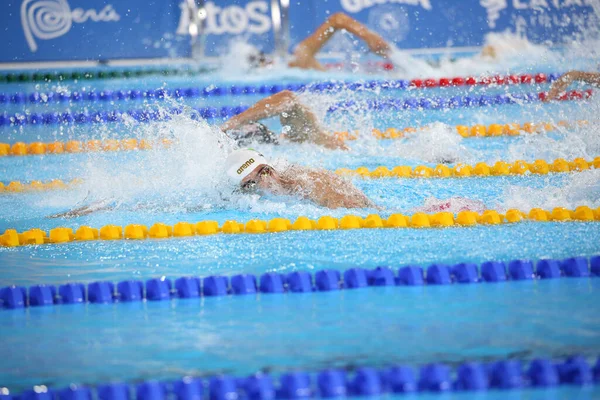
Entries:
{"x":291,"y":251}
{"x":91,"y":344}
{"x":242,"y":334}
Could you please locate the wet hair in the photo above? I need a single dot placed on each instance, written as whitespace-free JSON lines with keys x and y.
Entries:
{"x":258,"y":59}
{"x":253,"y":133}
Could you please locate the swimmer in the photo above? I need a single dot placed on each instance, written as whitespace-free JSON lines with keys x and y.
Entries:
{"x":561,"y":84}
{"x":252,"y":173}
{"x":301,"y":122}
{"x":304,"y":55}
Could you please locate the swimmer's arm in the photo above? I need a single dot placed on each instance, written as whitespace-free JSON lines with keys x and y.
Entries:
{"x":271,"y":106}
{"x":305,"y":52}
{"x":285,"y":104}
{"x":332,"y":191}
{"x":562,"y":83}
{"x":102,"y":205}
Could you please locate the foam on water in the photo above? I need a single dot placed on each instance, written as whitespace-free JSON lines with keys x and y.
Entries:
{"x":436,"y":143}
{"x":502,"y":52}
{"x":580,"y":189}
{"x":187,"y":174}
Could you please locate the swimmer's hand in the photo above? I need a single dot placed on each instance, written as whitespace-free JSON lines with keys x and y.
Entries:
{"x":331,"y":142}
{"x":303,"y":60}
{"x":377,"y":45}
{"x":559,"y":86}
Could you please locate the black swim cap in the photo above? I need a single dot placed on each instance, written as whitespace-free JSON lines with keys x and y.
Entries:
{"x":257,"y":60}
{"x":254,"y":132}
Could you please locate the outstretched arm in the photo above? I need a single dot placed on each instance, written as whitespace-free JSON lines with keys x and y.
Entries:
{"x":562,"y":83}
{"x":101,"y":205}
{"x":303,"y":123}
{"x":272,"y":106}
{"x":304,"y":55}
{"x":332,"y":191}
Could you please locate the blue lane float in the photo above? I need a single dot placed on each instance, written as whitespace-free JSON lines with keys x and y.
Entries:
{"x":235,"y":90}
{"x":161,"y":289}
{"x":149,"y":115}
{"x":444,"y":103}
{"x":575,"y":371}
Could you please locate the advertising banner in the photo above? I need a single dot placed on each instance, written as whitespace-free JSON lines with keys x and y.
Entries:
{"x":51,"y":30}
{"x":434,"y":24}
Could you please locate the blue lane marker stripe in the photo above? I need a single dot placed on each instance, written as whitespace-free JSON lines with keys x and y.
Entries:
{"x":212,"y":91}
{"x":161,"y":289}
{"x":149,"y":115}
{"x":364,"y":381}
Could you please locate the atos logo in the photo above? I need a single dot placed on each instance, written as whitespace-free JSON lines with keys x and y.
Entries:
{"x":253,"y":18}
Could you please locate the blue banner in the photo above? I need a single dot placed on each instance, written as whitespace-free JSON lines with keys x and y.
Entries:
{"x":49,"y":30}
{"x":417,"y":24}
{"x":235,"y":20}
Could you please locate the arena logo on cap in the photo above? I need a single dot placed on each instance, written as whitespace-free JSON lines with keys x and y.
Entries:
{"x":50,"y":19}
{"x":355,"y":6}
{"x":245,"y":165}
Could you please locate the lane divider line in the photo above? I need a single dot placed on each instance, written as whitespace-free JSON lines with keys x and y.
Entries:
{"x":148,"y":114}
{"x":334,"y":382}
{"x":478,"y":130}
{"x":444,"y":103}
{"x":49,"y":77}
{"x":237,"y":90}
{"x":36,"y":186}
{"x":500,"y":168}
{"x":163,"y":289}
{"x":76,"y":146}
{"x":12,"y":238}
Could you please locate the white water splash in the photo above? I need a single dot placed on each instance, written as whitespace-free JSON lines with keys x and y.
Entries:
{"x":582,"y":189}
{"x":188,"y":174}
{"x":502,"y":52}
{"x":435,"y":143}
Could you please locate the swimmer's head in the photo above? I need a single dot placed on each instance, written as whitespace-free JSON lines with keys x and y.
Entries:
{"x":259,"y":60}
{"x":252,"y":132}
{"x":241,"y":163}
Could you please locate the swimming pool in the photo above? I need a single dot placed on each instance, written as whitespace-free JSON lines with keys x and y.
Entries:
{"x":485,"y":323}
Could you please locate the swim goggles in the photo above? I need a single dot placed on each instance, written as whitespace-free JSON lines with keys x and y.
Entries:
{"x":251,"y":186}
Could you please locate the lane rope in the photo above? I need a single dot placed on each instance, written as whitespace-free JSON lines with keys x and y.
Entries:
{"x":148,"y":114}
{"x":36,"y":186}
{"x":334,"y":382}
{"x":238,"y":90}
{"x":442,"y":103}
{"x":77,"y":146}
{"x":500,"y":168}
{"x":12,"y":238}
{"x":477,"y":130}
{"x":162,"y":289}
{"x":460,"y":170}
{"x":49,"y":77}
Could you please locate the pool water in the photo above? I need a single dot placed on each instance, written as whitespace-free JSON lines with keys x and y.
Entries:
{"x":240,"y":335}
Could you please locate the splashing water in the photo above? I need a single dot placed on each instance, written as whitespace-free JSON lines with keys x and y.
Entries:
{"x":188,"y":174}
{"x":501,"y":52}
{"x":582,"y":188}
{"x":435,"y":143}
